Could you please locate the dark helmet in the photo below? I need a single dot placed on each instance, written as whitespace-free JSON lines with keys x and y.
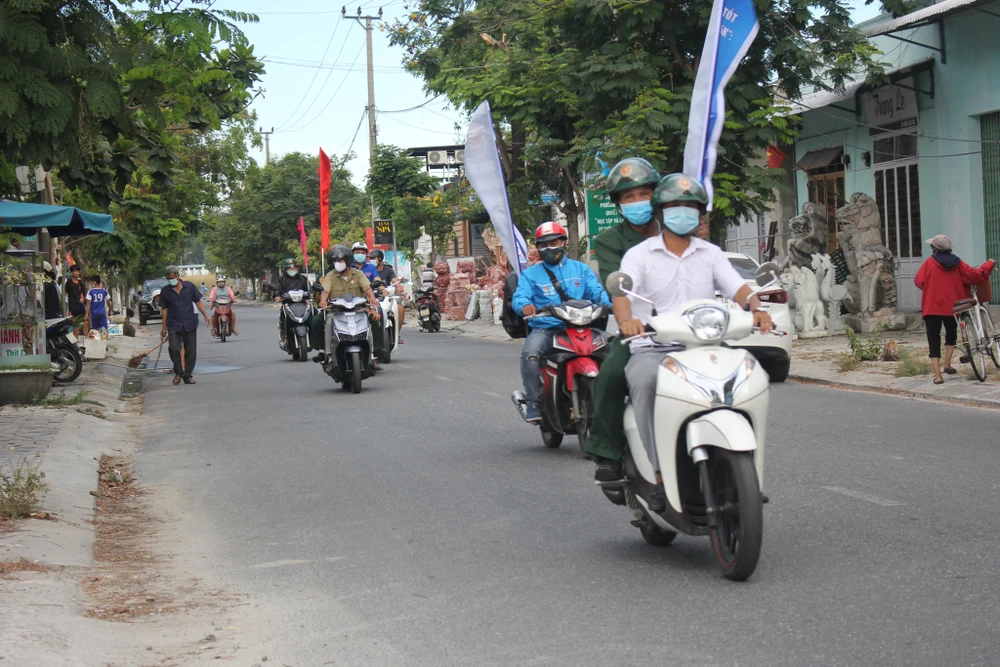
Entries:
{"x":630,"y":173}
{"x":340,"y":252}
{"x":377,"y":253}
{"x":678,"y":187}
{"x":289,"y":263}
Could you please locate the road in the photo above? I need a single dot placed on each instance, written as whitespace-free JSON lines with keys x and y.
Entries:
{"x":422,"y":523}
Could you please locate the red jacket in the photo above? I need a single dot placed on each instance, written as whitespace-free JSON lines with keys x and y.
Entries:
{"x":942,"y":286}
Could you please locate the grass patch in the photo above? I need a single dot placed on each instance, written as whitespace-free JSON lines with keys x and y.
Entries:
{"x":63,"y":402}
{"x":846,"y":363}
{"x":912,"y":367}
{"x":21,"y":487}
{"x":93,"y":412}
{"x":866,"y":348}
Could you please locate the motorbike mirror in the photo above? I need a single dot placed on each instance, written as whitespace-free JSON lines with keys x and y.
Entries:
{"x":618,"y":283}
{"x":766,"y":273}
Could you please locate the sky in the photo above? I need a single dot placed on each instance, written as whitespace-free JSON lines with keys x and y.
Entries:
{"x":315,"y":88}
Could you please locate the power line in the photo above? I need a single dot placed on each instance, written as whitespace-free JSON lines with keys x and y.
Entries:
{"x":360,"y":123}
{"x":284,"y":123}
{"x":412,"y":108}
{"x":862,"y":148}
{"x":299,"y":128}
{"x":417,"y":127}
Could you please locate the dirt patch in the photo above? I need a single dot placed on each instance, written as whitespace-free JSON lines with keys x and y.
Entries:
{"x":130,"y":580}
{"x":8,"y":568}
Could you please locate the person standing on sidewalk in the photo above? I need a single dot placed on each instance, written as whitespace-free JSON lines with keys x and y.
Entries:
{"x":75,"y":302}
{"x":944,"y":279}
{"x":180,"y":323}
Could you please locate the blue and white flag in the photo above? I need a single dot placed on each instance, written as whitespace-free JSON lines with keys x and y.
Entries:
{"x":731,"y":31}
{"x":483,"y":169}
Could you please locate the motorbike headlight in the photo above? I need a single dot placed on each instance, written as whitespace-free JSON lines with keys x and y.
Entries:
{"x":708,"y":322}
{"x":575,"y":316}
{"x":296,"y":296}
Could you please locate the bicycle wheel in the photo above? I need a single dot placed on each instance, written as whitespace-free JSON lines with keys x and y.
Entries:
{"x":974,"y":351}
{"x":992,"y":342}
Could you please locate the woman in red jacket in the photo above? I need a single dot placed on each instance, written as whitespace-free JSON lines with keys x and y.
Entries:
{"x":945,"y":279}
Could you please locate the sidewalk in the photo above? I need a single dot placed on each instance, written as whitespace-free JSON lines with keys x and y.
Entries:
{"x":816,"y":361}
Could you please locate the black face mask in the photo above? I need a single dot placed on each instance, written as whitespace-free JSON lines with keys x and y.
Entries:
{"x":552,"y":255}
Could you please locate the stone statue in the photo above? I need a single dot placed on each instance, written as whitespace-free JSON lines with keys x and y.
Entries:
{"x":860,"y":236}
{"x":807,"y":300}
{"x":830,"y":292}
{"x":810,"y":235}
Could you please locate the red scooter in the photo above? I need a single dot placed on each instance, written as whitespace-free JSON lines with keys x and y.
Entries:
{"x":568,"y":371}
{"x":221,"y":317}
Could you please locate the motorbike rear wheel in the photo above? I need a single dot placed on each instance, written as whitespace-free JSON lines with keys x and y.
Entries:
{"x":223,"y":331}
{"x":70,"y":364}
{"x":585,"y":399}
{"x":303,"y":350}
{"x":738,"y":538}
{"x":355,"y":372}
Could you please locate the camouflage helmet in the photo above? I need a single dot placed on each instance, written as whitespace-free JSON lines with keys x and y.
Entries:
{"x":678,"y":187}
{"x":631,"y":172}
{"x":289,"y":263}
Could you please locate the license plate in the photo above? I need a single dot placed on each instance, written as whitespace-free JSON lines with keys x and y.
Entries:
{"x":70,"y":337}
{"x":425,"y":312}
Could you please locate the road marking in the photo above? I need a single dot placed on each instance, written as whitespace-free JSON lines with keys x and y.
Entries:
{"x":493,"y":393}
{"x":860,"y":495}
{"x":405,"y":366}
{"x":441,"y":377}
{"x":292,"y":561}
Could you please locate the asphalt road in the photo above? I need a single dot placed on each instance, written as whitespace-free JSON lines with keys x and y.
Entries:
{"x":422,"y":523}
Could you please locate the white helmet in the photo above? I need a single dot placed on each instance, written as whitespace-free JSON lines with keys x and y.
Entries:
{"x":360,"y":245}
{"x":220,"y":278}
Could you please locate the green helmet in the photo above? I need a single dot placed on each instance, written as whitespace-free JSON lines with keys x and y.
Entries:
{"x":288,"y":263}
{"x":631,"y":172}
{"x":678,"y":187}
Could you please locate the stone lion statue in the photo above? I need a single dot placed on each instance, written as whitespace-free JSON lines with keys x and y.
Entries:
{"x":810,"y":234}
{"x":859,"y":232}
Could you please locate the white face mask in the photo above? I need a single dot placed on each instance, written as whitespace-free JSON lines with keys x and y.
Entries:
{"x":339,"y":266}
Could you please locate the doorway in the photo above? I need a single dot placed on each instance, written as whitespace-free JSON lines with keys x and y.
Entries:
{"x":897,"y":192}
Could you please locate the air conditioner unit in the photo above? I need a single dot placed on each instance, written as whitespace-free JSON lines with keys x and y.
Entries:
{"x":460,"y":157}
{"x":437,"y":157}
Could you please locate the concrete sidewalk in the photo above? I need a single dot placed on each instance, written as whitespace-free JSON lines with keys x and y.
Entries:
{"x":817,"y":361}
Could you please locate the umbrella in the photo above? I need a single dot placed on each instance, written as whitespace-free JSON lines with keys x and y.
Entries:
{"x":26,"y":219}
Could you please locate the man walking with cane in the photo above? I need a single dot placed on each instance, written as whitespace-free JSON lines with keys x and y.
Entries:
{"x":177,"y":302}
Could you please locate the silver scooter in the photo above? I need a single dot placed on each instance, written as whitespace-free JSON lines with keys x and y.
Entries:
{"x":348,"y":342}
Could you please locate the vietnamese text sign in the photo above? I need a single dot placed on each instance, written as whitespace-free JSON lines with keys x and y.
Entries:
{"x":476,"y":230}
{"x":601,"y":213}
{"x":891,"y":108}
{"x":383,"y":232}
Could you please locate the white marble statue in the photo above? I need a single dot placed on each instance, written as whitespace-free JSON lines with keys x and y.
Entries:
{"x":807,"y":300}
{"x":830,"y":292}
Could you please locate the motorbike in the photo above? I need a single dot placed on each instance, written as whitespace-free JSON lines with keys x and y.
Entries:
{"x":710,"y":421}
{"x":348,"y":342}
{"x":428,"y":309}
{"x":568,"y":371}
{"x":61,"y":345}
{"x":298,"y":311}
{"x":222,"y":312}
{"x":391,"y":308}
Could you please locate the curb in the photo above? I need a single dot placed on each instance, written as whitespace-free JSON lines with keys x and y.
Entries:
{"x":966,"y":402}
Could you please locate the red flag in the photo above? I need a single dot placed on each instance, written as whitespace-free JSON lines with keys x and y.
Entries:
{"x":302,"y":239}
{"x":324,"y":199}
{"x":774,"y":157}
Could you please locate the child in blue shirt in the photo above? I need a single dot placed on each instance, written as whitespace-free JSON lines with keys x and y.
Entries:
{"x":97,"y":304}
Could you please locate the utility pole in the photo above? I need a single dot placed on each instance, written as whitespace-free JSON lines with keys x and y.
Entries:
{"x":267,"y":145}
{"x":372,"y":131}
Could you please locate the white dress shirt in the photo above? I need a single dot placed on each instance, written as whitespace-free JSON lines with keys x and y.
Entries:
{"x":669,"y":281}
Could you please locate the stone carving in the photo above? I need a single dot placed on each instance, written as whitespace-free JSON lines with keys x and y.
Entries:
{"x":830,"y":292}
{"x":808,"y":303}
{"x":810,"y":234}
{"x":869,"y":263}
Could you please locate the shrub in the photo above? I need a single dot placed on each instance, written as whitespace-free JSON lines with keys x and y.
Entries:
{"x":867,"y":348}
{"x":20,"y":489}
{"x":910,"y":367}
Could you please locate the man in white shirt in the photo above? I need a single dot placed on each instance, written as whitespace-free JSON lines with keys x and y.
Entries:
{"x":669,"y":270}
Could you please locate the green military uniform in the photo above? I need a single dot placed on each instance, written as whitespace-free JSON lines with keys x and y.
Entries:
{"x":337,"y":285}
{"x":606,"y":435}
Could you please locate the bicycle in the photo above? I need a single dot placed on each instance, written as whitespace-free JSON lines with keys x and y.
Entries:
{"x":973,"y":316}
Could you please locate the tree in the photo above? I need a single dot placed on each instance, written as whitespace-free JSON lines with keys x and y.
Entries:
{"x":259,"y":229}
{"x":100,"y":92}
{"x":394,"y":183}
{"x":585,"y":82}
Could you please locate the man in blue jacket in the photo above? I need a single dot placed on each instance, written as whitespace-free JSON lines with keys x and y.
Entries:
{"x":539,"y":286}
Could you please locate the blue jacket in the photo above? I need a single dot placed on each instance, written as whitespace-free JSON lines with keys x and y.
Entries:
{"x":369,"y":269}
{"x":535,"y":287}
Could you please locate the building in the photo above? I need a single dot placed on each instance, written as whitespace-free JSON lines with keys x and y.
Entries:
{"x":926,"y":146}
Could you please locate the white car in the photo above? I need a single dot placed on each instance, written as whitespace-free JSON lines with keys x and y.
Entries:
{"x":772,"y":352}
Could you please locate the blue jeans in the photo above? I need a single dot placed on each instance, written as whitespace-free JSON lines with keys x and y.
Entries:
{"x":536,"y":344}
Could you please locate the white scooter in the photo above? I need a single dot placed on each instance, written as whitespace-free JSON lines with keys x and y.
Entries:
{"x":710,"y":423}
{"x":392,"y":311}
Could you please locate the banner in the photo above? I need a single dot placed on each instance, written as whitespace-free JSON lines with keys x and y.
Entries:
{"x":731,"y":31}
{"x":324,"y":200}
{"x":483,"y":169}
{"x":302,"y":240}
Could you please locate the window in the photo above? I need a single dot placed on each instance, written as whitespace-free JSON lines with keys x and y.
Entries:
{"x":827,"y":190}
{"x":897,"y":191}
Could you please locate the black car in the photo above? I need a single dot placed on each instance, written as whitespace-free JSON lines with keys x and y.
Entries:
{"x":149,"y":300}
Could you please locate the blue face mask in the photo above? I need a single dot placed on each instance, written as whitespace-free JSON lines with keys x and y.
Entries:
{"x":292,"y":272}
{"x":681,"y":220}
{"x":172,"y":281}
{"x":638,"y":212}
{"x":360,"y":259}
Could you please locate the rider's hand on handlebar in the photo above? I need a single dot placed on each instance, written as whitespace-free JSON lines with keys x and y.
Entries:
{"x":633,"y":327}
{"x":529,"y":310}
{"x":277,"y":298}
{"x":763,"y":321}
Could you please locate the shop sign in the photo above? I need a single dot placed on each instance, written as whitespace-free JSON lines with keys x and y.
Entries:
{"x":891,"y":108}
{"x":601,"y":214}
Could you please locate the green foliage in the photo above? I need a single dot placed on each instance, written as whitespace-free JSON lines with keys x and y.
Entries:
{"x":99,"y":91}
{"x":910,"y":367}
{"x":20,"y":489}
{"x":846,"y":363}
{"x":866,"y":348}
{"x":259,"y":227}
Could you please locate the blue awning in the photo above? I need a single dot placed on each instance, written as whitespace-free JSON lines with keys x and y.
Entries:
{"x":27,"y":219}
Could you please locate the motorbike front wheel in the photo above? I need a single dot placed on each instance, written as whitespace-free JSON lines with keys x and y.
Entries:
{"x":738,"y":538}
{"x":70,"y":364}
{"x":551,"y":439}
{"x":223,"y":331}
{"x":303,"y":350}
{"x":585,"y":399}
{"x":355,"y":372}
{"x":654,"y":535}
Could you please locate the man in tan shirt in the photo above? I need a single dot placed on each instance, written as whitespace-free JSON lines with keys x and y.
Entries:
{"x":343,"y":279}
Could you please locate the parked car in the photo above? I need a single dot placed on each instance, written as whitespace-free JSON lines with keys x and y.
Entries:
{"x":773,"y":353}
{"x":149,"y":300}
